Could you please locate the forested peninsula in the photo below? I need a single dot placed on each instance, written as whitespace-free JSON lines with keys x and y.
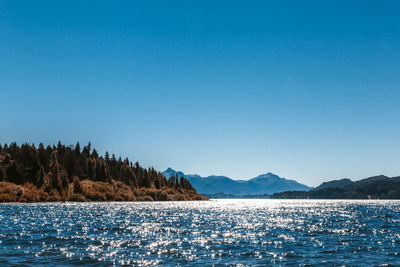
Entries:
{"x":69,"y":173}
{"x":376,"y":187}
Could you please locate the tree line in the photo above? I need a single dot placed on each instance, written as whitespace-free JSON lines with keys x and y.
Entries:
{"x":64,"y":164}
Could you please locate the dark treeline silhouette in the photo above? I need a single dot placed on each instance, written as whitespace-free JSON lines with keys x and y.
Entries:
{"x":62,"y":172}
{"x":376,"y":187}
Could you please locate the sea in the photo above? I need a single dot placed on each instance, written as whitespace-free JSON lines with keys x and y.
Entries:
{"x":232,"y":232}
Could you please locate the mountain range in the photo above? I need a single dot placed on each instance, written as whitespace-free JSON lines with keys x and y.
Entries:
{"x":268,"y":183}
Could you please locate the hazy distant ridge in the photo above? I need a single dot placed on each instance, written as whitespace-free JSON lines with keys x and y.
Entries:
{"x":268,"y":183}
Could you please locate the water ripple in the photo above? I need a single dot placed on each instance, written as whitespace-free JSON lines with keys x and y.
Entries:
{"x":217,"y":232}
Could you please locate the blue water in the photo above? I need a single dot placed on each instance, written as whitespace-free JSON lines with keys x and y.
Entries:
{"x":216,"y":232}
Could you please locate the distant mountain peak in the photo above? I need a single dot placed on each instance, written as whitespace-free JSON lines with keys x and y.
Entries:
{"x":263,"y":184}
{"x":170,"y":172}
{"x":268,"y":175}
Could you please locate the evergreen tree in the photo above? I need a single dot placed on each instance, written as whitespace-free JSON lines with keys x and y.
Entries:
{"x":94,"y":154}
{"x":14,"y":174}
{"x":77,"y":148}
{"x":157,"y":183}
{"x":59,"y":145}
{"x":86,"y":150}
{"x":41,"y":147}
{"x":89,"y":146}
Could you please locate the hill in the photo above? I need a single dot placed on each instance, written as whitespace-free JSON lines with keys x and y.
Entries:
{"x":376,"y":187}
{"x":336,"y":184}
{"x":61,"y":173}
{"x":263,"y":184}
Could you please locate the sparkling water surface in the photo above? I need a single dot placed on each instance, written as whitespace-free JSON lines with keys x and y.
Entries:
{"x":215,"y":232}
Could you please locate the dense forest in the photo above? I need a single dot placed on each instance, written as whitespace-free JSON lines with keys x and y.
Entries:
{"x":58,"y":173}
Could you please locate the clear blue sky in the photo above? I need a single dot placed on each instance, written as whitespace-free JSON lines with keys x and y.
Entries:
{"x":309,"y":90}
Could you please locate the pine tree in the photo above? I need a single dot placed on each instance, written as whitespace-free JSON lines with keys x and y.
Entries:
{"x":86,"y":150}
{"x":77,"y":148}
{"x":59,"y":145}
{"x":14,"y":174}
{"x":94,"y":154}
{"x":41,"y":147}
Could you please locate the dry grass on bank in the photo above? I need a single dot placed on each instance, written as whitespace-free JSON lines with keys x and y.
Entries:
{"x":86,"y":190}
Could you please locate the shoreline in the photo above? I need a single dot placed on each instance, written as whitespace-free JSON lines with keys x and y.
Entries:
{"x":90,"y":191}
